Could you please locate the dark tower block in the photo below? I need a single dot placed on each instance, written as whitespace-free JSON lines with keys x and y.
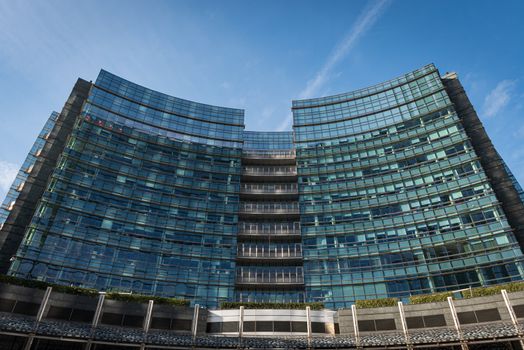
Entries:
{"x":37,"y":175}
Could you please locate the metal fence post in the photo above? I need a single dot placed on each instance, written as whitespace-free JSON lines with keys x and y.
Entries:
{"x":194,"y":325}
{"x":512,"y":316}
{"x":39,"y":316}
{"x":96,"y":319}
{"x":355,"y":325}
{"x":409,"y":346}
{"x":308,"y":323}
{"x":241,"y":322}
{"x":147,"y":321}
{"x":456,"y":322}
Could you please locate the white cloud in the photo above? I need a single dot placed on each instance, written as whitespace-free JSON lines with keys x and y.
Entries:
{"x":267,"y":112}
{"x":519,"y":132}
{"x":8,"y":173}
{"x":285,"y":123}
{"x":364,"y":22}
{"x":498,"y":98}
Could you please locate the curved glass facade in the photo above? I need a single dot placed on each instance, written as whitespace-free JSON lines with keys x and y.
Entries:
{"x":381,"y":192}
{"x":393,"y":198}
{"x":144,"y":198}
{"x":26,"y":168}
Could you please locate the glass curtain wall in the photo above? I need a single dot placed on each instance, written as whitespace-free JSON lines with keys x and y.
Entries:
{"x":393,"y":199}
{"x":144,"y":198}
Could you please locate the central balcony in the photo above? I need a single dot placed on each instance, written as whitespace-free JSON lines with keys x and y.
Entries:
{"x":264,"y":229}
{"x":268,"y":279}
{"x":269,"y":209}
{"x":287,"y":190}
{"x":259,"y":157}
{"x":272,"y":251}
{"x":273,"y":172}
{"x":269,"y":154}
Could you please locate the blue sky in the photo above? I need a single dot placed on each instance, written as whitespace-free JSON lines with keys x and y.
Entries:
{"x":256,"y":55}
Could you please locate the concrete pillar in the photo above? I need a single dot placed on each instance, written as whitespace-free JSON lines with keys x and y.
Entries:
{"x":308,"y":323}
{"x":149,"y":314}
{"x":512,"y":316}
{"x":39,"y":316}
{"x":456,"y":322}
{"x":98,"y":310}
{"x":355,"y":325}
{"x":194,"y":324}
{"x":29,"y":342}
{"x":43,"y":304}
{"x":96,"y":319}
{"x":241,"y":321}
{"x":147,"y":321}
{"x":409,"y":346}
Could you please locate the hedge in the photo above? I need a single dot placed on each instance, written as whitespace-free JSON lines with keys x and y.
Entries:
{"x":438,"y":297}
{"x":372,"y":303}
{"x":43,"y":285}
{"x":294,"y":306}
{"x":430,"y":298}
{"x":361,"y":304}
{"x":493,"y":290}
{"x":138,"y":298}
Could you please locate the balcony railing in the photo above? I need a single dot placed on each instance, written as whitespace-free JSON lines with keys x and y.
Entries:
{"x":269,"y":208}
{"x":269,"y":154}
{"x":256,"y":188}
{"x":279,"y":251}
{"x":270,"y":171}
{"x":279,"y":277}
{"x":271,"y":279}
{"x":264,"y":229}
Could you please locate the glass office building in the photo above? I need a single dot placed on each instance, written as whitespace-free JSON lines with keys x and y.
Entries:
{"x":22,"y":175}
{"x":387,"y":191}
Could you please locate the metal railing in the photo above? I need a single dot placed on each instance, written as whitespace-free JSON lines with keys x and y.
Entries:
{"x":291,"y":188}
{"x":269,"y":154}
{"x":248,"y":228}
{"x":271,"y":279}
{"x":269,"y":207}
{"x":270,"y":171}
{"x":265,"y":251}
{"x":287,"y":276}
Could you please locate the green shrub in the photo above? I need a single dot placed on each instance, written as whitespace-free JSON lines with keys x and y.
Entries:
{"x":429,"y":298}
{"x":90,"y":292}
{"x":139,"y":298}
{"x":480,"y":292}
{"x":493,"y":290}
{"x":74,"y":290}
{"x":43,"y":285}
{"x":514,"y":287}
{"x":372,"y":303}
{"x":22,"y":282}
{"x":294,"y":306}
